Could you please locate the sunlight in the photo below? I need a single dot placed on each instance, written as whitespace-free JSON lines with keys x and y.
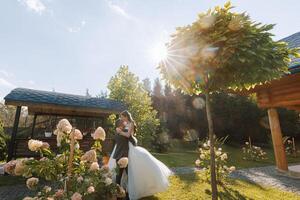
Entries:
{"x":159,"y":53}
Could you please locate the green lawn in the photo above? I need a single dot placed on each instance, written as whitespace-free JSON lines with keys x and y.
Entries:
{"x":190,"y":186}
{"x":181,"y":155}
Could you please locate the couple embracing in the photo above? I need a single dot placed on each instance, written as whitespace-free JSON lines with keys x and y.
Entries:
{"x":144,"y":174}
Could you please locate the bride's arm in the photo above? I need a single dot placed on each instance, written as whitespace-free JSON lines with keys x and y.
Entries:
{"x":129,"y":133}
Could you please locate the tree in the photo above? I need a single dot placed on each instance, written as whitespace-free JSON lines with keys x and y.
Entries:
{"x":126,"y":87}
{"x":167,"y":90}
{"x":223,"y":50}
{"x":147,"y":85}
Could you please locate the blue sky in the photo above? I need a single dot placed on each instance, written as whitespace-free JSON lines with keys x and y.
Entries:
{"x":71,"y":45}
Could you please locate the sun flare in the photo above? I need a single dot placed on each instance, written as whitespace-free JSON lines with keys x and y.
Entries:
{"x":159,"y":53}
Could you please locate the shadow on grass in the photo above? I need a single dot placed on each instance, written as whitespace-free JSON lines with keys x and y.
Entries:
{"x":150,"y":198}
{"x":189,"y":178}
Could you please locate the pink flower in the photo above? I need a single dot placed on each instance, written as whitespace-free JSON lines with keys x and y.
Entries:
{"x":99,"y":134}
{"x":94,"y":166}
{"x":123,"y":162}
{"x":76,"y":196}
{"x":59,"y":193}
{"x":90,"y":156}
{"x":77,"y":134}
{"x":91,"y":189}
{"x":10,"y":167}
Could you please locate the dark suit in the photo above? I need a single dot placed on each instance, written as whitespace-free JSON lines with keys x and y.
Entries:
{"x":122,"y":148}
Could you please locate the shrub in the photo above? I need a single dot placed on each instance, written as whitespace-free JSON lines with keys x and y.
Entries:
{"x":3,"y":143}
{"x":222,"y":170}
{"x":76,"y":174}
{"x":253,"y":153}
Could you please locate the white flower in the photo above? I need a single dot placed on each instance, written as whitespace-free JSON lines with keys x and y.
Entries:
{"x":79,"y":179}
{"x":123,"y":162}
{"x":208,"y":143}
{"x":90,"y":156}
{"x":64,"y":126}
{"x":77,"y":146}
{"x":29,"y":198}
{"x":91,"y":189}
{"x":108,"y":181}
{"x":47,"y":189}
{"x":32,"y":182}
{"x":34,"y":145}
{"x":232,"y":168}
{"x":76,"y":196}
{"x":218,"y":153}
{"x":224,"y":156}
{"x":94,"y":166}
{"x":202,"y":156}
{"x":77,"y":134}
{"x":197,"y":162}
{"x":204,"y":145}
{"x":99,"y":134}
{"x":219,"y":149}
{"x":247,"y":143}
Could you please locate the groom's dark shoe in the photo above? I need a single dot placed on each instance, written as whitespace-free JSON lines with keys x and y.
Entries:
{"x":127,"y":196}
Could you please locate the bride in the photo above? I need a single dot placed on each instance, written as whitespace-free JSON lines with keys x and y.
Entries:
{"x":146,"y":175}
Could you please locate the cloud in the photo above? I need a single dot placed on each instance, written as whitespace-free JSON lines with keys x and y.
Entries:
{"x":76,"y":29}
{"x":34,"y":5}
{"x":6,"y":73}
{"x":117,"y":9}
{"x":5,"y":83}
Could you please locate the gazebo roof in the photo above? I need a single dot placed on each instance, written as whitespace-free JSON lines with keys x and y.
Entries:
{"x":293,"y":42}
{"x":45,"y":102}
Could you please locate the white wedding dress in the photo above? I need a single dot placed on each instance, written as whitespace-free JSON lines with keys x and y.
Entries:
{"x":146,"y":175}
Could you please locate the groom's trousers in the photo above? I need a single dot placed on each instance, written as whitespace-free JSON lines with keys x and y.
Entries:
{"x":119,"y":177}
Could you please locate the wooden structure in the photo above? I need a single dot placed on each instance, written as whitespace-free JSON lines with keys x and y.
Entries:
{"x":285,"y":93}
{"x":55,"y":104}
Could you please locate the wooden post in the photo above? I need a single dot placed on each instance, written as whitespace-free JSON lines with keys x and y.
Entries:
{"x":279,"y":150}
{"x":33,"y":125}
{"x":11,"y":148}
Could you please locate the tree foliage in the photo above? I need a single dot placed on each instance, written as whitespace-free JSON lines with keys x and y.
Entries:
{"x":222,"y":50}
{"x":126,"y":87}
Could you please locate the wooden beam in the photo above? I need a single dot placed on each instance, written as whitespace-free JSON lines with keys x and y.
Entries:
{"x":11,"y":148}
{"x":279,"y":150}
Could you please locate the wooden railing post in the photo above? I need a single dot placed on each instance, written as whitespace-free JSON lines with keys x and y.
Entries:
{"x":278,"y":145}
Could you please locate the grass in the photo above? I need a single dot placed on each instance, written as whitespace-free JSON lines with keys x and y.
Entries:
{"x":191,"y":186}
{"x":182,"y":155}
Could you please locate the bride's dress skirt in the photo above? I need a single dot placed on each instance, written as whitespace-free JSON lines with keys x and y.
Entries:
{"x":146,"y":175}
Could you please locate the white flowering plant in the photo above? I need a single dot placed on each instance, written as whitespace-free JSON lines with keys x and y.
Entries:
{"x":76,"y":174}
{"x":203,"y":162}
{"x":253,"y":153}
{"x":290,"y":146}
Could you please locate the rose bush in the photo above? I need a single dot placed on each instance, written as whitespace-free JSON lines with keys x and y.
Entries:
{"x":253,"y":153}
{"x":222,"y":170}
{"x":76,"y":174}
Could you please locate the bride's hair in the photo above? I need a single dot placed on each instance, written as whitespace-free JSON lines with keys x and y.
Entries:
{"x":128,"y":115}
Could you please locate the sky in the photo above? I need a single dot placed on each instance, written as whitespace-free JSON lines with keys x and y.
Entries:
{"x":71,"y":45}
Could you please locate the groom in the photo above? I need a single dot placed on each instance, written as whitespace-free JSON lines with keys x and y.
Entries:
{"x":122,"y":148}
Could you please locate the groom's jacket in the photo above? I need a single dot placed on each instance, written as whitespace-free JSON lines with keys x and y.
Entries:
{"x":122,"y":145}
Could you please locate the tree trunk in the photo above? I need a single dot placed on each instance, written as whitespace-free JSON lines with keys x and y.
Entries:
{"x":213,"y":179}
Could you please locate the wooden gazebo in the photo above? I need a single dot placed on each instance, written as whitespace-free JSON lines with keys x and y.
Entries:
{"x":285,"y":93}
{"x":58,"y":105}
